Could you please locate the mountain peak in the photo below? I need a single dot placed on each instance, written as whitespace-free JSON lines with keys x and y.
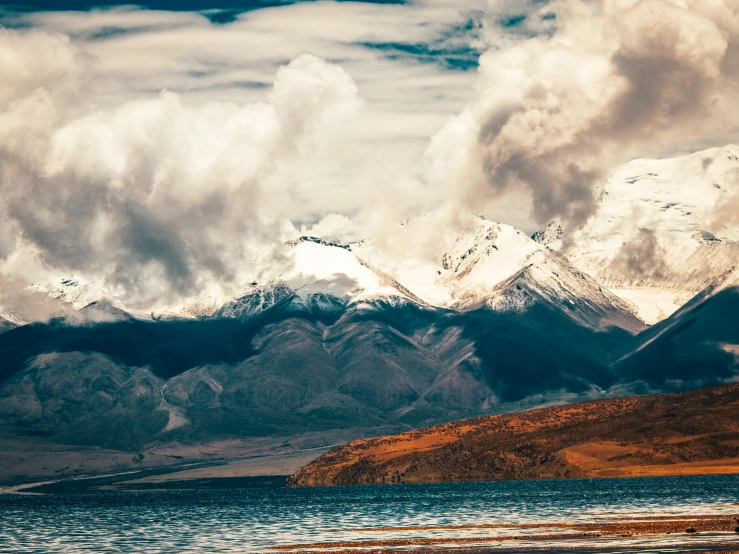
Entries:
{"x":551,"y":233}
{"x":6,"y":325}
{"x":663,"y":230}
{"x":317,"y":240}
{"x":549,"y":279}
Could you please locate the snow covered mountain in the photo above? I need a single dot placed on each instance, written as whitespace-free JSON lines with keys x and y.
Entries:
{"x":479,"y":261}
{"x":550,"y":280}
{"x":325,"y":277}
{"x":479,"y":264}
{"x":663,"y":231}
{"x":500,"y":267}
{"x":329,"y":276}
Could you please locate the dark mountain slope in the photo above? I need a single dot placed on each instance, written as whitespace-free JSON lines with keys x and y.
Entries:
{"x":298,"y":367}
{"x":287,"y":371}
{"x":536,"y":351}
{"x":167,"y":347}
{"x":697,"y":346}
{"x":83,"y":399}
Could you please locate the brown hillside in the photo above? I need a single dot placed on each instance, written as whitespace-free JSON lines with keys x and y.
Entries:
{"x":679,"y":434}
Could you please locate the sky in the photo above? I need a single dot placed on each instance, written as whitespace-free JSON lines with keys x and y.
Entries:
{"x":164,"y":147}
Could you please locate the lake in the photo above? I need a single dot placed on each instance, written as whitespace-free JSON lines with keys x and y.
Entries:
{"x":256,"y":518}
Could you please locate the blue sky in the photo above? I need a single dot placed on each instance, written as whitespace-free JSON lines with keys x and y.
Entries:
{"x":185,"y":5}
{"x":222,"y":11}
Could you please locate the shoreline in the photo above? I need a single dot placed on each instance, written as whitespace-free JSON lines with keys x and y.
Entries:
{"x":198,"y":477}
{"x":221,"y":473}
{"x":655,"y":475}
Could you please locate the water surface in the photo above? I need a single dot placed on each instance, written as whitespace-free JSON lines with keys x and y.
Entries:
{"x":252,"y":519}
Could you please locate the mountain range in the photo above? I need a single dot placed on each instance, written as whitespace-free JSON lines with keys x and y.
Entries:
{"x":643,"y":298}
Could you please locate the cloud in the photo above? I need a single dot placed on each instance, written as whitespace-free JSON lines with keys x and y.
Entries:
{"x":589,"y":85}
{"x":206,"y":6}
{"x":642,"y":257}
{"x":406,"y":98}
{"x":158,"y":196}
{"x":164,"y":155}
{"x":22,"y":304}
{"x":160,"y":156}
{"x":726,"y":213}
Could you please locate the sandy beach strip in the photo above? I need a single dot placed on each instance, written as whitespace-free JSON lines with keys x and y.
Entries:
{"x":665,"y":527}
{"x":723,"y":547}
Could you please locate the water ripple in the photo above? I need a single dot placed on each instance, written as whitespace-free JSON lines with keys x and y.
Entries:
{"x":248,"y":520}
